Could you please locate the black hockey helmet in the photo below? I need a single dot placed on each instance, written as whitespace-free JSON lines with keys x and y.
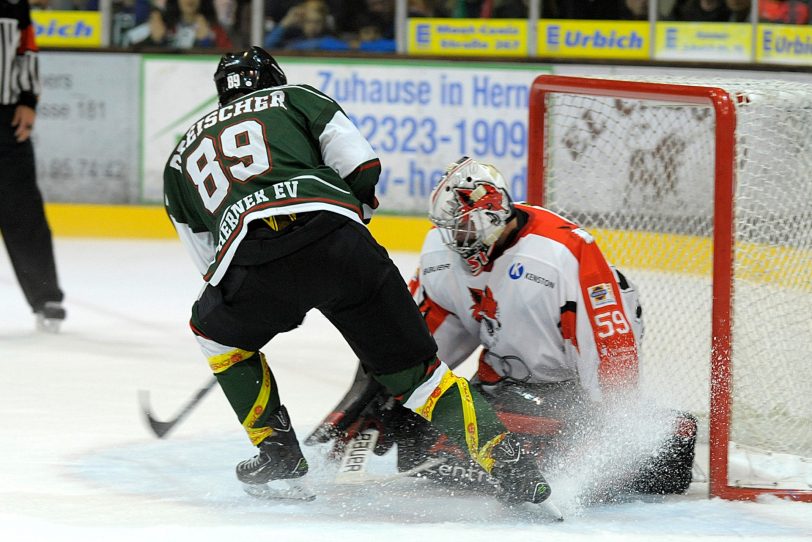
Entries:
{"x":246,"y":71}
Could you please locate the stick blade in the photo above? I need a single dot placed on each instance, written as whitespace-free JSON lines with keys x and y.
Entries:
{"x":158,"y":427}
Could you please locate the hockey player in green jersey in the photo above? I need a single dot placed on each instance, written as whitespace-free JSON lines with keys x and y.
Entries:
{"x":270,"y":193}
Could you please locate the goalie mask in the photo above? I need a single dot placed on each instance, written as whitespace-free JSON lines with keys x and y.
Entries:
{"x":246,"y":71}
{"x":471,"y":208}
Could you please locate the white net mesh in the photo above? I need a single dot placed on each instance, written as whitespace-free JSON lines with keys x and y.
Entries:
{"x":640,"y":175}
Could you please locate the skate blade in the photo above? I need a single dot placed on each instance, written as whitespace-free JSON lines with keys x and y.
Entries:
{"x":549,"y":508}
{"x":280,"y":490}
{"x":546,"y":507}
{"x":49,"y":325}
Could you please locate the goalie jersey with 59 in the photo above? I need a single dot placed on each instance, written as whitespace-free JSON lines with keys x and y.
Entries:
{"x":548,"y":309}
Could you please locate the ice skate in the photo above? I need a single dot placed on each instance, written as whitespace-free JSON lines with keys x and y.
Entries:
{"x":50,"y":316}
{"x":519,"y":477}
{"x":279,"y":459}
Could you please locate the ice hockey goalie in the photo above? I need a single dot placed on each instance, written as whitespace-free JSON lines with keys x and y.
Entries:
{"x":557,"y":329}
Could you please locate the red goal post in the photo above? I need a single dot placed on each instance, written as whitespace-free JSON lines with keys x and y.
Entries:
{"x":653,"y":166}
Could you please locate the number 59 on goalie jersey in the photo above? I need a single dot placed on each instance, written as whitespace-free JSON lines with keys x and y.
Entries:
{"x":548,"y":309}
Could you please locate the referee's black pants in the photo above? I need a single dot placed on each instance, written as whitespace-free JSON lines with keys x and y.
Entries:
{"x":23,"y":224}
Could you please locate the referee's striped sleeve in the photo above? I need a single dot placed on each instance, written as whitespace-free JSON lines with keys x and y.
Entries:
{"x":27,"y":68}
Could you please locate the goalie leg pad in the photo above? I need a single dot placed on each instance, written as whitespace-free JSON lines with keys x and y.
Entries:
{"x":669,"y":472}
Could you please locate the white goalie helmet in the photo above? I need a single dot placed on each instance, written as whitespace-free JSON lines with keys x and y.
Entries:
{"x":471,"y":208}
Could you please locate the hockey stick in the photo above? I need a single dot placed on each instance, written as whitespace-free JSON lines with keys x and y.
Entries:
{"x":353,"y":468}
{"x":347,"y":411}
{"x":162,"y":428}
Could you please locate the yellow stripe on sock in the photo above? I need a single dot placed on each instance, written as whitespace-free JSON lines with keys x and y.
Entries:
{"x":222,"y":362}
{"x":483,"y":456}
{"x":469,"y":417}
{"x":427,"y":409}
{"x":259,"y":434}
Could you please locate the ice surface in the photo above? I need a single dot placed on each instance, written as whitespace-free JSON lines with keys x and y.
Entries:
{"x":78,"y":463}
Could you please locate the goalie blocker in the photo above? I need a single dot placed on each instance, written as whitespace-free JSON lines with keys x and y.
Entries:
{"x":542,"y":415}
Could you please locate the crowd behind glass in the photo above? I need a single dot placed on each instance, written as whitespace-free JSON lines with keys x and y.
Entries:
{"x":369,"y":25}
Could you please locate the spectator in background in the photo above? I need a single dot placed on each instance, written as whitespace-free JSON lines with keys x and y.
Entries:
{"x":127,"y":14}
{"x":700,"y":11}
{"x":426,"y":8}
{"x":589,"y":9}
{"x":370,"y":36}
{"x":633,"y":10}
{"x":739,"y":10}
{"x":504,"y":9}
{"x":61,"y":5}
{"x":193,"y":24}
{"x":184,"y":24}
{"x":384,"y":11}
{"x":306,"y":26}
{"x":275,"y":10}
{"x":515,"y":9}
{"x":462,"y":9}
{"x":235,"y":16}
{"x":736,"y":11}
{"x":783,"y":11}
{"x":152,"y":33}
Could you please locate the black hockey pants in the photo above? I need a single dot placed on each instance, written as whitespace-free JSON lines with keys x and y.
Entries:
{"x":325,"y":262}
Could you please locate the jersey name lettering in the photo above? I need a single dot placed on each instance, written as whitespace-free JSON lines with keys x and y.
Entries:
{"x":231,"y":217}
{"x":251,"y":104}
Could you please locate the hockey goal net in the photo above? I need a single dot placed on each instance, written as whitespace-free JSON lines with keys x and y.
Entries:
{"x":701,"y":191}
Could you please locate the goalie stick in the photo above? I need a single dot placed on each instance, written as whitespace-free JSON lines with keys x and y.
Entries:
{"x":357,"y":451}
{"x":162,"y":428}
{"x":347,"y":411}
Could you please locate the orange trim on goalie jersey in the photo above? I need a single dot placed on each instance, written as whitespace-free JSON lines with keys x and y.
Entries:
{"x":547,"y":224}
{"x":611,"y":327}
{"x":433,"y":314}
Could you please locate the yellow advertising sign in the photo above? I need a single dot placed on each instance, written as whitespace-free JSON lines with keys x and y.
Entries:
{"x":784,"y":44}
{"x":594,"y":39}
{"x":67,"y":28}
{"x":704,"y":41}
{"x":472,"y":37}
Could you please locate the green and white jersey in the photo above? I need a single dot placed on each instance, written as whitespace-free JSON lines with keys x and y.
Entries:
{"x":283,"y":150}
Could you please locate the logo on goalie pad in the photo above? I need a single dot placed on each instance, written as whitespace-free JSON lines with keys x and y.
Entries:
{"x":357,"y":452}
{"x":454,"y":473}
{"x":601,"y":295}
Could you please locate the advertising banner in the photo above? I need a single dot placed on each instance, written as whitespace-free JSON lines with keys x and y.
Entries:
{"x":784,"y":44}
{"x":477,"y":37}
{"x":86,"y":134}
{"x":419,"y":116}
{"x":704,"y":42}
{"x":594,"y":39}
{"x":67,"y":28}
